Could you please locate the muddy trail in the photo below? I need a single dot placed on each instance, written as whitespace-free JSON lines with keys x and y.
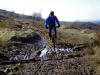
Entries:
{"x":59,"y":62}
{"x":40,"y":58}
{"x":67,"y":59}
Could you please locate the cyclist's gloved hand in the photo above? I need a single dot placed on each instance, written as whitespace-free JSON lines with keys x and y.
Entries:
{"x":46,"y":27}
{"x":58,"y":26}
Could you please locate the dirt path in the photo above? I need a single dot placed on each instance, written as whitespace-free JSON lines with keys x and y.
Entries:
{"x":59,"y":62}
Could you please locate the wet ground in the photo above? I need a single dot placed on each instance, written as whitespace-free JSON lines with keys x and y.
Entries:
{"x":65,"y":59}
{"x":60,"y":62}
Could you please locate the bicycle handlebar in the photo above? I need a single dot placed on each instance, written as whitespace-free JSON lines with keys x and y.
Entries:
{"x":56,"y":27}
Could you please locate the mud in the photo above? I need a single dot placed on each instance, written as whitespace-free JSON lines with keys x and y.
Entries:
{"x":59,"y":62}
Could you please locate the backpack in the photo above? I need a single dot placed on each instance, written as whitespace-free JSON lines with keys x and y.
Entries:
{"x":53,"y":17}
{"x":51,"y":23}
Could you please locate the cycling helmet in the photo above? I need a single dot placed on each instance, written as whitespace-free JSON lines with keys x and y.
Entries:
{"x":52,"y":13}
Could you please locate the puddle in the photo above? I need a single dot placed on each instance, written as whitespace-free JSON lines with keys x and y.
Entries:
{"x":26,"y":54}
{"x":44,"y":51}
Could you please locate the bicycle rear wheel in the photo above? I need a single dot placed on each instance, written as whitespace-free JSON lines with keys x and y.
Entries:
{"x":53,"y":38}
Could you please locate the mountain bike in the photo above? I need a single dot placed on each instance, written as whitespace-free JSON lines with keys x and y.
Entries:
{"x":53,"y":38}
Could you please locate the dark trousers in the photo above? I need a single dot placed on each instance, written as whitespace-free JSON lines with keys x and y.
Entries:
{"x":50,"y":31}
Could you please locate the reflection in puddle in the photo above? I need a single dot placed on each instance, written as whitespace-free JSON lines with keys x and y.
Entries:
{"x":66,"y":50}
{"x":26,"y":57}
{"x":43,"y":52}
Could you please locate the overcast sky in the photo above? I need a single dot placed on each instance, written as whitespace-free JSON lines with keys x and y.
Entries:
{"x":67,"y":10}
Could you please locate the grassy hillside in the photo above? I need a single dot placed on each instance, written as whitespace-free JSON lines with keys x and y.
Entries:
{"x":81,"y":25}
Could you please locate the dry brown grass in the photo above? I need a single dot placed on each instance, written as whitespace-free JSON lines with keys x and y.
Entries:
{"x":97,"y":38}
{"x":73,"y":36}
{"x":93,"y":53}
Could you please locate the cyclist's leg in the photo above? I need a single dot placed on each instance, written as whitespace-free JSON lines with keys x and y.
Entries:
{"x":55,"y":32}
{"x":50,"y":36}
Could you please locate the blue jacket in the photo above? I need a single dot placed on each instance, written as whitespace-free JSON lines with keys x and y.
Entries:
{"x":51,"y":21}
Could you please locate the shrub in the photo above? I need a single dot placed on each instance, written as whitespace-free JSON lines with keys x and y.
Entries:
{"x":97,"y":39}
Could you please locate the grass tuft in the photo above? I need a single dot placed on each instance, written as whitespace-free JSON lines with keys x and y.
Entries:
{"x":97,"y":38}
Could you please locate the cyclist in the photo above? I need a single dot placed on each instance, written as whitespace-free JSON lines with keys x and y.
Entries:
{"x":50,"y":23}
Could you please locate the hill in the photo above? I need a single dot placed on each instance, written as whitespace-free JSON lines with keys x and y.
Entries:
{"x":81,"y":25}
{"x":12,"y":14}
{"x":97,"y":22}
